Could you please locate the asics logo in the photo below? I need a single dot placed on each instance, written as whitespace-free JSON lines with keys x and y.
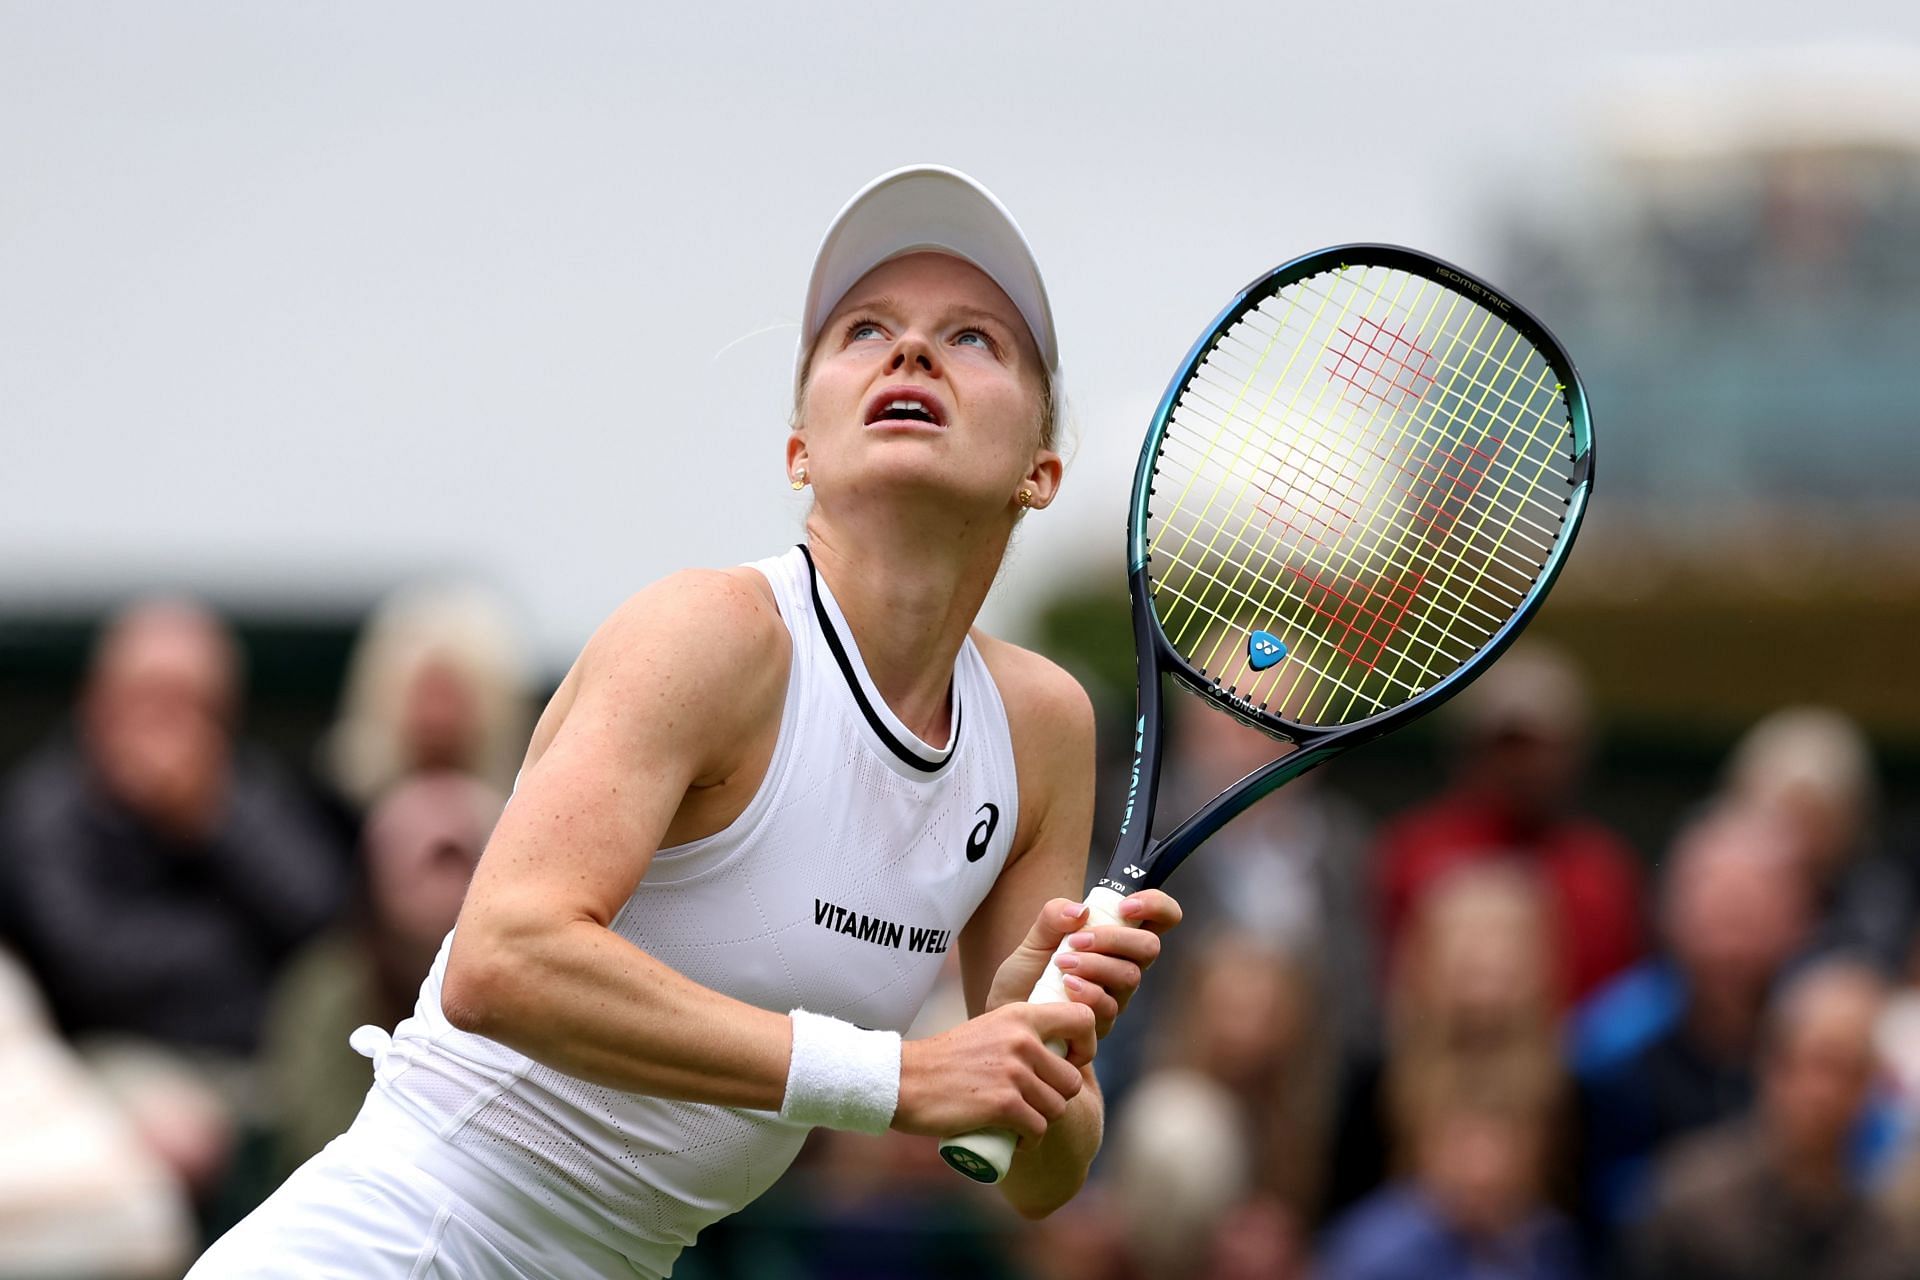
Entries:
{"x":982,"y":832}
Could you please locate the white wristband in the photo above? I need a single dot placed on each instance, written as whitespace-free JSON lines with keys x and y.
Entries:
{"x":840,"y":1076}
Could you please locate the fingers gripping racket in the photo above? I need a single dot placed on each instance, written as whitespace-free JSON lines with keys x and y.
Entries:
{"x":1356,"y":491}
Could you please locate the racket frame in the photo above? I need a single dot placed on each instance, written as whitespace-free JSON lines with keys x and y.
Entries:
{"x":1142,"y":862}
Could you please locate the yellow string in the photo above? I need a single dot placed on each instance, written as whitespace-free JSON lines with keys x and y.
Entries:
{"x":1229,"y":471}
{"x":1411,"y":547}
{"x":1292,"y":415}
{"x":1392,"y":523}
{"x":1298,"y":472}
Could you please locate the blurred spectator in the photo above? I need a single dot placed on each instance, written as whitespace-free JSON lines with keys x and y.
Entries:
{"x":79,"y":1196}
{"x":1261,"y":1239}
{"x":1734,"y":912}
{"x":1084,"y":1241}
{"x":1237,"y":1110}
{"x":161,"y":872}
{"x":1253,"y":1023}
{"x":1475,"y":1206}
{"x":1772,"y":1196}
{"x":1289,"y":873}
{"x":438,"y":680}
{"x":418,"y":851}
{"x":1812,"y":769}
{"x":1898,"y":1040}
{"x":1177,"y":1162}
{"x":1472,"y":1000}
{"x":1521,"y":749}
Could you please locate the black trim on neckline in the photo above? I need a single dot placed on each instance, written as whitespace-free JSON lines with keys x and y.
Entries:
{"x":906,"y":754}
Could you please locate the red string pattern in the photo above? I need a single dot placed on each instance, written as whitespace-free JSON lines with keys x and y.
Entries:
{"x":1364,"y":617}
{"x":1374,"y":354}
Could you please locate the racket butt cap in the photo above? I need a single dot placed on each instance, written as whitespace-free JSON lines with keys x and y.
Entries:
{"x":984,"y":1156}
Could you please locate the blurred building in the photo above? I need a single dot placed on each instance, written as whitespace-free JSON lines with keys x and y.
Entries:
{"x":1746,"y":289}
{"x":1739,"y":281}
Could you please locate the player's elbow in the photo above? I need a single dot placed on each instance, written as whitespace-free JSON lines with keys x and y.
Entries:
{"x":476,"y":993}
{"x":464,"y":1000}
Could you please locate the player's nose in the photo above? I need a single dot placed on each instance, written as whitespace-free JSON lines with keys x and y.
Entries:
{"x":913,"y":351}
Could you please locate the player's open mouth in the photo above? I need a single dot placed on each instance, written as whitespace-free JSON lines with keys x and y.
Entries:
{"x":905,"y":406}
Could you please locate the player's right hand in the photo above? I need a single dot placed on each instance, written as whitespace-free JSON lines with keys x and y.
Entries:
{"x":995,"y":1072}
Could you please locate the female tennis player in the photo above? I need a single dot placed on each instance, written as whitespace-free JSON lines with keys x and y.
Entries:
{"x":760,"y":809}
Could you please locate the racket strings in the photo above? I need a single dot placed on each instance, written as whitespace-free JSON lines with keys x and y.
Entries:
{"x":1232,"y":338}
{"x":1202,"y":384}
{"x":1435,"y":468}
{"x":1361,"y":638}
{"x":1442,"y":486}
{"x":1213,"y":569}
{"x":1537,"y":522}
{"x":1273,"y":479}
{"x":1381,"y":504}
{"x":1247,"y":591}
{"x":1268,"y":482}
{"x":1362,"y":641}
{"x":1352,"y":640}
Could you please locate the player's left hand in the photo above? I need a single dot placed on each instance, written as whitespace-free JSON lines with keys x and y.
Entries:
{"x":1102,"y":964}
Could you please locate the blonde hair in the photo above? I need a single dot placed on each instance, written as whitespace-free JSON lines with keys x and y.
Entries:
{"x":460,"y":626}
{"x":1805,"y":749}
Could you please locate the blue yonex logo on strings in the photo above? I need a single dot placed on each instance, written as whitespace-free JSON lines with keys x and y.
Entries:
{"x":1264,"y":649}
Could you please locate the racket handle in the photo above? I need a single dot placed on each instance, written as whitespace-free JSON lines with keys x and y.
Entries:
{"x":985,"y":1154}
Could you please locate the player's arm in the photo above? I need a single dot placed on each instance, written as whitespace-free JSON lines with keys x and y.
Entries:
{"x":668,"y":701}
{"x":658,"y":706}
{"x":1035,"y":903}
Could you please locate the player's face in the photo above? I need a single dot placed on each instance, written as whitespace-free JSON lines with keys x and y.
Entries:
{"x":925,"y":380}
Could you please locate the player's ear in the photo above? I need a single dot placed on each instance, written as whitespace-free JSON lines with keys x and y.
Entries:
{"x":797,"y":459}
{"x":1043,"y":478}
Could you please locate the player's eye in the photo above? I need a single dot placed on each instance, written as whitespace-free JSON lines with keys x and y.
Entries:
{"x":973,"y":338}
{"x":864,"y":331}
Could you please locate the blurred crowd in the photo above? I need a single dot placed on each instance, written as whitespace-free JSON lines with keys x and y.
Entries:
{"x":190,"y":930}
{"x":1482,"y":1038}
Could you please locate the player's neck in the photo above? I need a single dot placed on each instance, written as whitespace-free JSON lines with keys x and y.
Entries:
{"x":910,"y":601}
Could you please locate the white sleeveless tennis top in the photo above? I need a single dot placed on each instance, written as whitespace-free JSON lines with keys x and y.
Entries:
{"x":839,"y":890}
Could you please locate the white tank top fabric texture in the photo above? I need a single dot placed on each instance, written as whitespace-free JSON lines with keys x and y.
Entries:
{"x":839,"y":890}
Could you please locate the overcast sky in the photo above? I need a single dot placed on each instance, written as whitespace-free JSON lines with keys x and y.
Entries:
{"x":301,"y":299}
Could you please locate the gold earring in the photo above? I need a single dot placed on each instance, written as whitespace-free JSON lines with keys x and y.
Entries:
{"x":1026,"y":497}
{"x":800,"y":479}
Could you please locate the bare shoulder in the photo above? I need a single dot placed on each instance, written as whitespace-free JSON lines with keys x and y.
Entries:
{"x":1034,"y":687}
{"x":718,"y":614}
{"x":1048,"y":713}
{"x":704,"y":647}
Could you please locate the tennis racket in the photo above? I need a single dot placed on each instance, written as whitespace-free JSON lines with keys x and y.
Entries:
{"x":1356,"y":491}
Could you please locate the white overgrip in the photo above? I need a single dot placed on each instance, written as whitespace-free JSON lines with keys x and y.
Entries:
{"x":1103,"y":908}
{"x":985,"y":1154}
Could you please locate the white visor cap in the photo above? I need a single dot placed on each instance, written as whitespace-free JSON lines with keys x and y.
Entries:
{"x":926,"y":208}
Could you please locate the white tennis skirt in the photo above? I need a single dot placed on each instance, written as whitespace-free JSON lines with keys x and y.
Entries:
{"x":380,"y":1203}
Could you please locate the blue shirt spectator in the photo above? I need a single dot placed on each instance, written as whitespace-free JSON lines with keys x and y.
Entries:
{"x":1401,"y":1234}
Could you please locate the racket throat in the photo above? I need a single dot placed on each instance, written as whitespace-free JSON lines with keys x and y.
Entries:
{"x":1132,"y":865}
